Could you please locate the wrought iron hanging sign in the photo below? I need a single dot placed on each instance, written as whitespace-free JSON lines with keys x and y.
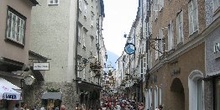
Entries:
{"x":129,"y":48}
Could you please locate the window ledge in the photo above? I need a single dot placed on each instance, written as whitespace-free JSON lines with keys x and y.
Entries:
{"x":194,"y":34}
{"x":216,"y":11}
{"x":14,"y":42}
{"x":179,"y":44}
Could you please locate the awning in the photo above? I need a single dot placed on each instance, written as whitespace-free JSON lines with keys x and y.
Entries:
{"x":52,"y":95}
{"x":89,"y":86}
{"x":8,"y":90}
{"x":8,"y":84}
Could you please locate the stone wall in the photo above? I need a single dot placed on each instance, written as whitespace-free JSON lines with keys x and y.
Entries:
{"x":33,"y":94}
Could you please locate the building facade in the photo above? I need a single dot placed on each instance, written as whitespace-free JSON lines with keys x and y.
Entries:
{"x":212,"y":54}
{"x":177,"y":55}
{"x":14,"y":44}
{"x":73,"y":29}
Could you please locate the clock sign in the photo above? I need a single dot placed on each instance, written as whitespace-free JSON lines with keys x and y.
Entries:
{"x":129,"y":48}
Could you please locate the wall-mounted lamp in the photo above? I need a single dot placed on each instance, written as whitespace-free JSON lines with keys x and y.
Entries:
{"x":157,"y":39}
{"x":29,"y":80}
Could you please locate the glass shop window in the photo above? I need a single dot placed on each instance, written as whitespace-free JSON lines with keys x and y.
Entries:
{"x":217,"y":93}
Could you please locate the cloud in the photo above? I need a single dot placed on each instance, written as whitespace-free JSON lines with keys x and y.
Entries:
{"x":119,"y":16}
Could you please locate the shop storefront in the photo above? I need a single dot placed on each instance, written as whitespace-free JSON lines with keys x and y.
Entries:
{"x":52,"y":100}
{"x":10,"y":95}
{"x":89,"y":95}
{"x":212,"y":93}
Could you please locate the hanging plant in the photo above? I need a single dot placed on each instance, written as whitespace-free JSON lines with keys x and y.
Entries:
{"x":95,"y":66}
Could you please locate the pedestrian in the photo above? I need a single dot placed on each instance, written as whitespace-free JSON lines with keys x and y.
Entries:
{"x":24,"y":106}
{"x":63,"y":107}
{"x":141,"y":106}
{"x":160,"y":107}
{"x":16,"y":106}
{"x":42,"y":108}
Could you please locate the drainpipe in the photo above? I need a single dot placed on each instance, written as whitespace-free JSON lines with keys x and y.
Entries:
{"x":76,"y":48}
{"x":142,"y":23}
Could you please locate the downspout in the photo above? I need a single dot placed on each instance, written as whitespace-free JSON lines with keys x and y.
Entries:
{"x":76,"y":48}
{"x":142,"y":23}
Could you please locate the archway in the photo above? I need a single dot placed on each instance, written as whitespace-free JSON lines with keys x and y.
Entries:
{"x":177,"y":95}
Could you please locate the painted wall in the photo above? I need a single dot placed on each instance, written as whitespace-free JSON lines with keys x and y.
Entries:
{"x":8,"y":49}
{"x":53,"y":35}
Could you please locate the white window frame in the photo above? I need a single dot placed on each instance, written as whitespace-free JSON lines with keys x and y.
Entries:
{"x":92,"y":19}
{"x":143,"y":65}
{"x":15,"y":28}
{"x":155,"y":8}
{"x":160,"y":4}
{"x":151,"y":98}
{"x":80,"y":34}
{"x":156,"y":97}
{"x":53,"y":2}
{"x":179,"y":27}
{"x":170,"y":36}
{"x":85,"y":8}
{"x":196,"y":89}
{"x":80,"y":5}
{"x":160,"y":43}
{"x":193,"y":16}
{"x":84,"y":37}
{"x":216,"y":4}
{"x":160,"y":96}
{"x":156,"y":49}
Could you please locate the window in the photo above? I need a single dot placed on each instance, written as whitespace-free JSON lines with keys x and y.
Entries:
{"x":155,"y":97}
{"x":160,"y":4}
{"x":155,"y":8}
{"x":179,"y":27}
{"x":193,"y":16}
{"x":80,"y":33}
{"x":92,"y":19}
{"x":217,"y":94}
{"x":160,"y":42}
{"x":156,"y":49}
{"x":84,"y":37}
{"x":160,"y":96}
{"x":170,"y":36}
{"x":195,"y":90}
{"x":143,"y":65}
{"x":80,"y":5}
{"x":216,"y":4}
{"x":15,"y":30}
{"x":85,"y":8}
{"x":53,"y":2}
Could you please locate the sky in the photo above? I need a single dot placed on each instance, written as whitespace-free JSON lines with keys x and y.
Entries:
{"x":119,"y":16}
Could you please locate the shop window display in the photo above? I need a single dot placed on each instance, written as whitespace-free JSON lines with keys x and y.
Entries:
{"x":217,"y":93}
{"x":3,"y":104}
{"x":51,"y":103}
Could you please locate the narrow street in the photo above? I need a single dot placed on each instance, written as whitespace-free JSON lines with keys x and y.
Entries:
{"x":109,"y":55}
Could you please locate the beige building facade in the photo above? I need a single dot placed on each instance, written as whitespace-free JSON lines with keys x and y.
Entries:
{"x":68,"y":33}
{"x":14,"y":46}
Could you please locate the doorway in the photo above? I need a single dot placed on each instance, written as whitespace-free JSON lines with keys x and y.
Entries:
{"x":177,"y":95}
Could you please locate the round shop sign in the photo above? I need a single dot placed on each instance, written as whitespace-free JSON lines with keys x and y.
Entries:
{"x":129,"y":48}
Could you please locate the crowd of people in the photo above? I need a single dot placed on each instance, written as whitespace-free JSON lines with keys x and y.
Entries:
{"x":24,"y":106}
{"x":122,"y":105}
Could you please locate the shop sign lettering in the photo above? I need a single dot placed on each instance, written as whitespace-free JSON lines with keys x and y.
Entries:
{"x":216,"y":48}
{"x":9,"y":96}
